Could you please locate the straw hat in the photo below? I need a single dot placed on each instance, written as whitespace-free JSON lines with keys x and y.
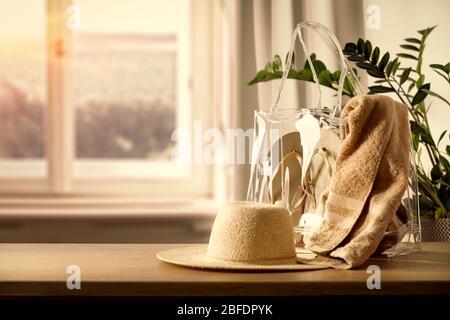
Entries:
{"x":245,"y":236}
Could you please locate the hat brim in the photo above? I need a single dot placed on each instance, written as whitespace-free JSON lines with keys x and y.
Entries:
{"x":196,"y":257}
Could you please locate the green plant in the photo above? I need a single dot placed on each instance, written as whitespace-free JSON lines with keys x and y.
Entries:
{"x":408,"y":83}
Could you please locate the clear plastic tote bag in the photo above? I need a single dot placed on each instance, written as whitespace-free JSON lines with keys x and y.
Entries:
{"x":294,"y":151}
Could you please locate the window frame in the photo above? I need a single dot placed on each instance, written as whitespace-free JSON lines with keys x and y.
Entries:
{"x":60,"y":115}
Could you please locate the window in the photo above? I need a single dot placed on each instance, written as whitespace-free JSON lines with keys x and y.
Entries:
{"x":93,"y":104}
{"x":22,"y":90}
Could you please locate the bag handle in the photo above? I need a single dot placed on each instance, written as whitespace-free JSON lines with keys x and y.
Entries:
{"x":330,"y":39}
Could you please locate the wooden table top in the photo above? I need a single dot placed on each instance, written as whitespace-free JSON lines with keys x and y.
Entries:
{"x":133,"y":270}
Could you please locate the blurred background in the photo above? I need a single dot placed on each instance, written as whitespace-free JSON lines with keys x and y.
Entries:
{"x":96,"y":96}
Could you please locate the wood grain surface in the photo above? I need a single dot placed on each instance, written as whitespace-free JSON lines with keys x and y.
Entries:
{"x":134,"y":270}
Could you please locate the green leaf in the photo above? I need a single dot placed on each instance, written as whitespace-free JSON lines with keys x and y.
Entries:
{"x":427,"y":31}
{"x":367,"y":49}
{"x":325,"y":78}
{"x":442,"y":136}
{"x":409,"y":47}
{"x":411,"y":86}
{"x":405,"y":76}
{"x":336,"y":75}
{"x":412,"y":40}
{"x":440,"y":67}
{"x":422,"y":132}
{"x":360,"y":46}
{"x":375,"y":56}
{"x":319,"y":66}
{"x":381,"y":89}
{"x":269,"y":67}
{"x":426,"y":202}
{"x":269,"y":77}
{"x":440,"y":212}
{"x":306,"y":65}
{"x":349,"y":48}
{"x":389,"y":68}
{"x":305,"y":74}
{"x":446,"y":164}
{"x":376,"y":73}
{"x":292,"y":60}
{"x":436,"y":172}
{"x":415,"y":140}
{"x":443,"y":194}
{"x":395,"y":65}
{"x":426,"y":138}
{"x":421,"y":94}
{"x":441,"y":74}
{"x":356,"y":58}
{"x":434,"y":94}
{"x":348,"y":86}
{"x":421,"y":107}
{"x":260,"y":77}
{"x":276,"y":63}
{"x":447,"y":149}
{"x":406,"y":56}
{"x":417,"y":128}
{"x":366,"y":66}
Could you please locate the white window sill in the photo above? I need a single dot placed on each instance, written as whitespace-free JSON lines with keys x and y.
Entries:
{"x":89,"y":220}
{"x":20,"y":208}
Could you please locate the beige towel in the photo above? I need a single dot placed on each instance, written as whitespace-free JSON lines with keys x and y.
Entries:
{"x":367,"y":186}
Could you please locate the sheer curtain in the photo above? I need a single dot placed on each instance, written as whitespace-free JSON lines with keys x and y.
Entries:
{"x":274,"y":22}
{"x":258,"y":29}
